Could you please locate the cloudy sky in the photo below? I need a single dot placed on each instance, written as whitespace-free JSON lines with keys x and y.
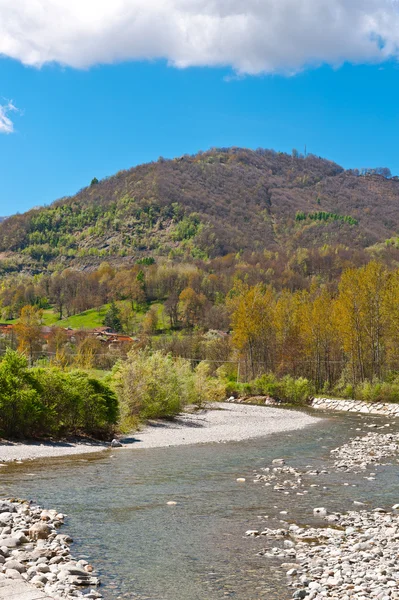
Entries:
{"x":88,"y":87}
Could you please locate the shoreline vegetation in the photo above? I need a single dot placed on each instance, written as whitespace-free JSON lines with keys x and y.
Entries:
{"x":50,"y":402}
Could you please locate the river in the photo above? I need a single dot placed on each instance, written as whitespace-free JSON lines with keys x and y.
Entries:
{"x":118,"y":515}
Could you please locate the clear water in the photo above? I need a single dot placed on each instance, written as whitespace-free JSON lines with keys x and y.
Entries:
{"x":118,"y":516}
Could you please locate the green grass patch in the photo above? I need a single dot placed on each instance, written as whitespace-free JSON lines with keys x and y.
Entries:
{"x":89,"y":319}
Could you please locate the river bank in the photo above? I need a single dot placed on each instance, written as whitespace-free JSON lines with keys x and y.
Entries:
{"x":25,"y":451}
{"x":118,"y":506}
{"x":218,"y":423}
{"x":222,"y":422}
{"x":353,"y":555}
{"x":356,"y":406}
{"x":33,"y":551}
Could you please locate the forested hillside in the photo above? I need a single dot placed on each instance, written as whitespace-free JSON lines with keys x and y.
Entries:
{"x":231,"y":271}
{"x":205,"y":206}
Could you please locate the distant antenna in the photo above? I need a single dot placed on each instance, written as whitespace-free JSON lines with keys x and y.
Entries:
{"x":306,"y":153}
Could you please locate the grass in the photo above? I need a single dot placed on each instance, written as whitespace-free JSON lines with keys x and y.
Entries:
{"x":89,"y":319}
{"x":94,"y":317}
{"x":49,"y":317}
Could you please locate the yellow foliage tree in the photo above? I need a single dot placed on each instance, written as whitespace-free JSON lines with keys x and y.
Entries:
{"x":252,"y":321}
{"x":29,"y":332}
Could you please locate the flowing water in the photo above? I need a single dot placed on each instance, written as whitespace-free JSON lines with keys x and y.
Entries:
{"x":119,"y":518}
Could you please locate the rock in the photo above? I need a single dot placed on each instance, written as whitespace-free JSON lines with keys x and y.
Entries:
{"x":39,"y":580}
{"x":6,"y":507}
{"x":39,"y":531}
{"x":116,"y":444}
{"x":171,"y":503}
{"x":320,"y":512}
{"x":73,"y":569}
{"x":13,"y":574}
{"x":9,"y":542}
{"x":17,"y":566}
{"x":240,"y":479}
{"x":278,"y":461}
{"x":44,"y":559}
{"x":43,"y":568}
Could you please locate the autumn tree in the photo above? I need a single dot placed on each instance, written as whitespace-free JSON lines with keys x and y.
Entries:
{"x":150,"y":321}
{"x":191,"y":306}
{"x":320,"y":344}
{"x":287,"y":332}
{"x":361,"y":319}
{"x":252,"y":322}
{"x":28,"y":331}
{"x":87,"y":350}
{"x":172,"y":309}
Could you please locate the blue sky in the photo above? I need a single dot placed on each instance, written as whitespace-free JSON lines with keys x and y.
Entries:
{"x":84,"y":118}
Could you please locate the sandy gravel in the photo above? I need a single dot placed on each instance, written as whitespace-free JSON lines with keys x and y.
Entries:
{"x":10,"y":451}
{"x":229,"y":422}
{"x":223,"y":423}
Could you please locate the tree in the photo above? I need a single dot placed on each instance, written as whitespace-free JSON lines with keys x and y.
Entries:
{"x":287,"y":330}
{"x":94,"y":181}
{"x":150,"y":321}
{"x":320,"y":343}
{"x":57,"y":293}
{"x":252,"y":321}
{"x":29,"y":332}
{"x":112,"y":318}
{"x":191,"y":306}
{"x":361,"y":319}
{"x":172,"y":309}
{"x":86,"y":351}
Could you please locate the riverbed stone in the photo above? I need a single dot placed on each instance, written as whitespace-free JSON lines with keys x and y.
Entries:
{"x":23,"y":559}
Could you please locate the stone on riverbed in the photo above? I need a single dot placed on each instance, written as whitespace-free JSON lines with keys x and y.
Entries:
{"x":116,"y":444}
{"x":44,"y":561}
{"x":320,"y":512}
{"x":39,"y":531}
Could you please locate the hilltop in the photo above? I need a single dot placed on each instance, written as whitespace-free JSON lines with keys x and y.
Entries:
{"x":203,"y":206}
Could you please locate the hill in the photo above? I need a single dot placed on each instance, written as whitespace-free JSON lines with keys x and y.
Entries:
{"x":203,"y":206}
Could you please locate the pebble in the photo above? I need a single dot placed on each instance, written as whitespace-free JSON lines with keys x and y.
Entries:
{"x":352,"y":557}
{"x":32,"y":549}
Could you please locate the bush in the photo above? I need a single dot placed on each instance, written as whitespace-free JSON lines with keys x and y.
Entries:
{"x":151,"y":385}
{"x":378,"y":391}
{"x":288,"y":389}
{"x":295,"y":391}
{"x":48,"y":401}
{"x":266,"y":385}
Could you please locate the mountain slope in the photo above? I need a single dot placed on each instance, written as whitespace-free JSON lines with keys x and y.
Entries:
{"x":210,"y":204}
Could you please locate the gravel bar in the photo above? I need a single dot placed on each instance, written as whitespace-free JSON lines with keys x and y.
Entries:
{"x":222,"y":422}
{"x":16,"y":452}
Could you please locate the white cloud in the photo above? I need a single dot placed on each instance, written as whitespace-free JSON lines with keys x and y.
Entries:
{"x":251,"y":36}
{"x":6,"y":125}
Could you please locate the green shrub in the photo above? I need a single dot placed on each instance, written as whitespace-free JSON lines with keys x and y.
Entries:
{"x":48,"y":401}
{"x":151,"y":385}
{"x":266,"y":385}
{"x":288,"y":389}
{"x":20,"y":403}
{"x":377,"y":391}
{"x":295,"y":391}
